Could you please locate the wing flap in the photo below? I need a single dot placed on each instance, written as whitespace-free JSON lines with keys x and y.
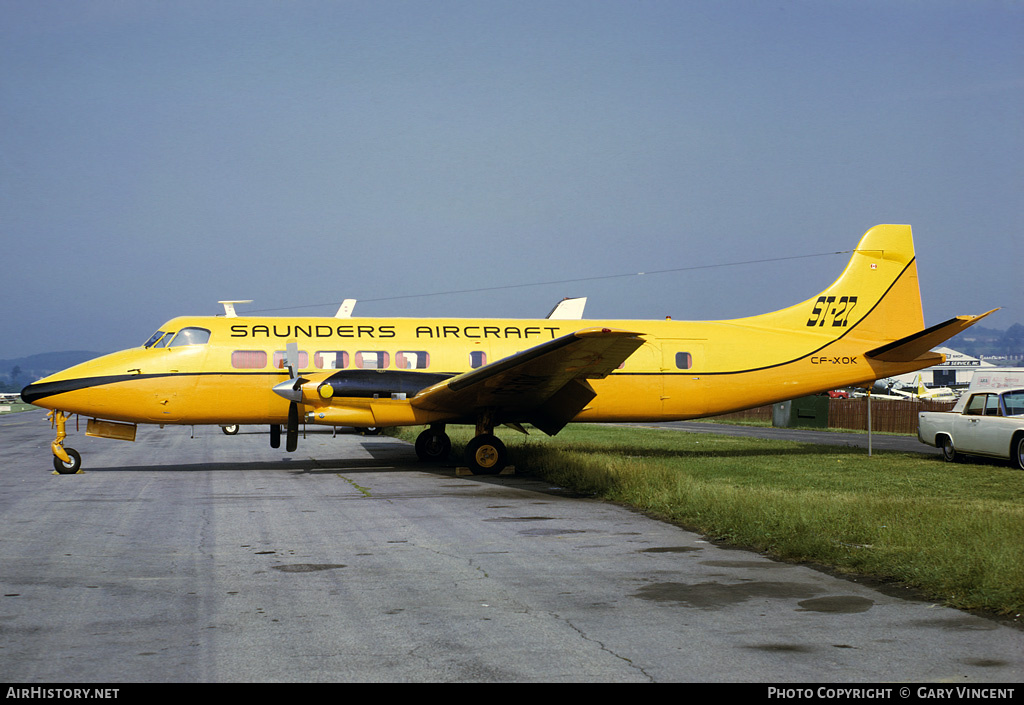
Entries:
{"x":545,"y":385}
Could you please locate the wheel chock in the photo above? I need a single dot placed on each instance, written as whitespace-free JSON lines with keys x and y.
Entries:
{"x":507,"y":470}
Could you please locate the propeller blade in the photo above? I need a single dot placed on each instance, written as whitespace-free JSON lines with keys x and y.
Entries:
{"x":292,"y":391}
{"x":292,"y":438}
{"x":291,"y":359}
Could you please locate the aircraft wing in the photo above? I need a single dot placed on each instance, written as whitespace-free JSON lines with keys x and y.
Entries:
{"x":544,"y":385}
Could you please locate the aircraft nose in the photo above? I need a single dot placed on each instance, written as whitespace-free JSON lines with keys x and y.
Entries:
{"x":38,"y":391}
{"x":32,"y":393}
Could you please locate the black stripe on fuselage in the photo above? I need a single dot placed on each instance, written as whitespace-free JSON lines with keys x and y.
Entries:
{"x":349,"y":383}
{"x":41,"y":390}
{"x":799,"y":357}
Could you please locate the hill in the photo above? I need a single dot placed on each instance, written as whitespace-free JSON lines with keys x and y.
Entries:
{"x":978,"y":341}
{"x":17,"y":372}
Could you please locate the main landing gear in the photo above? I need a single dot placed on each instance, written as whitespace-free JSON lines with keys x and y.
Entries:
{"x":66,"y":461}
{"x":484,"y":455}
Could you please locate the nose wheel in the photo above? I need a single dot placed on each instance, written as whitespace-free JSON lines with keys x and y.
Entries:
{"x":66,"y":461}
{"x":69,"y":467}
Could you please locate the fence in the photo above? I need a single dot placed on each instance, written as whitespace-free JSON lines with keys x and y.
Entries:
{"x":887,"y":415}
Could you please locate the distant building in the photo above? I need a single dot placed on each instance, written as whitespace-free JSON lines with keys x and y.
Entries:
{"x":956,"y":371}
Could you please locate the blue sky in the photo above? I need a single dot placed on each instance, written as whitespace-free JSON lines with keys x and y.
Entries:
{"x":158,"y":156}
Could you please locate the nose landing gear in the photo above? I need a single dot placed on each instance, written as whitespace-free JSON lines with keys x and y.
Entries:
{"x":66,"y":461}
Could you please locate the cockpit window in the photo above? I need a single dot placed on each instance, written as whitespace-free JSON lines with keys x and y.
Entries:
{"x":153,"y":338}
{"x":191,"y":336}
{"x":162,"y":343}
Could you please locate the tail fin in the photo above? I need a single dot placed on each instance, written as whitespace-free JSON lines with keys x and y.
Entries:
{"x":880,"y":289}
{"x":876,"y":301}
{"x":876,"y":297}
{"x":882,"y":277}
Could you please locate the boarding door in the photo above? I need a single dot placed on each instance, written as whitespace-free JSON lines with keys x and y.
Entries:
{"x":682,"y":366}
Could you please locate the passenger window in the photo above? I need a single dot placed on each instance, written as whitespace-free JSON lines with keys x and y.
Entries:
{"x":412,"y":360}
{"x":330,"y":359}
{"x":992,"y":405}
{"x":191,"y":336}
{"x":372,"y":360}
{"x":477,"y":358}
{"x":684,"y":361}
{"x":279,"y":356}
{"x":1014,"y":403}
{"x":248,"y":359}
{"x":976,"y":406}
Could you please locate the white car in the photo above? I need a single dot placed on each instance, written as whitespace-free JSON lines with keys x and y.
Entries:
{"x":986,"y":422}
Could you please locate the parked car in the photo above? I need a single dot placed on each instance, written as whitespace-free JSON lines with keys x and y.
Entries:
{"x":987,"y":422}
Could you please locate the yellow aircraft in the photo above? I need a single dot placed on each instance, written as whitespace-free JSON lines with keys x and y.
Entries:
{"x":382,"y":372}
{"x":923,"y":393}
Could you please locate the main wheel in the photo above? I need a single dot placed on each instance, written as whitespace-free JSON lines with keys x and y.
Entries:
{"x":230,"y":430}
{"x":949,"y":453}
{"x":486,"y":455}
{"x":1017,"y":451}
{"x":433,"y":446}
{"x":71,"y":468}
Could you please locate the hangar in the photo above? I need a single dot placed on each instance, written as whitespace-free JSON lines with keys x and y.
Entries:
{"x":956,"y":371}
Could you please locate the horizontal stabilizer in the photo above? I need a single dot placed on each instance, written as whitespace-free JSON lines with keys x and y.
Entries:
{"x":920,"y":344}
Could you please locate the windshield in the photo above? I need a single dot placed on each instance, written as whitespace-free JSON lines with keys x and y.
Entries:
{"x":191,"y":336}
{"x":1014,"y":402}
{"x":153,"y":338}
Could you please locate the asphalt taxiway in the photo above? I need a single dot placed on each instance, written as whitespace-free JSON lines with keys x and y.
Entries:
{"x":215,"y":558}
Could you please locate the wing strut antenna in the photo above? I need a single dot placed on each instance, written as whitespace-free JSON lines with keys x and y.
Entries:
{"x":229,"y":307}
{"x":568,"y":309}
{"x":345,"y":311}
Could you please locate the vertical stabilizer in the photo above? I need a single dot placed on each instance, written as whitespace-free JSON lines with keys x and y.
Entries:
{"x":876,"y":298}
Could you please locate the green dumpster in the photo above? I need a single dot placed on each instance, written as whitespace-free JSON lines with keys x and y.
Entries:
{"x":804,"y":411}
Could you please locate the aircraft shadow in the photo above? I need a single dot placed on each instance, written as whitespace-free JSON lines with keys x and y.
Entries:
{"x":657,"y":453}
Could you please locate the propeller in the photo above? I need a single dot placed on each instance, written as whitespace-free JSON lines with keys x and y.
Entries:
{"x":292,"y":391}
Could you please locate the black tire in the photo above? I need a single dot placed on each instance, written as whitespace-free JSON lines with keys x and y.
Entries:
{"x":71,"y":468}
{"x":433,"y":446}
{"x":486,"y":455}
{"x":1017,"y":451}
{"x":230,"y":430}
{"x":949,"y":453}
{"x":371,"y":430}
{"x":291,"y":438}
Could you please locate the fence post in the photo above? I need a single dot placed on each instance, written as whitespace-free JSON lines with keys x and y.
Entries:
{"x":869,"y":423}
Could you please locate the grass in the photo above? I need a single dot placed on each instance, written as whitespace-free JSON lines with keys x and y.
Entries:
{"x":956,"y":533}
{"x":16,"y":407}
